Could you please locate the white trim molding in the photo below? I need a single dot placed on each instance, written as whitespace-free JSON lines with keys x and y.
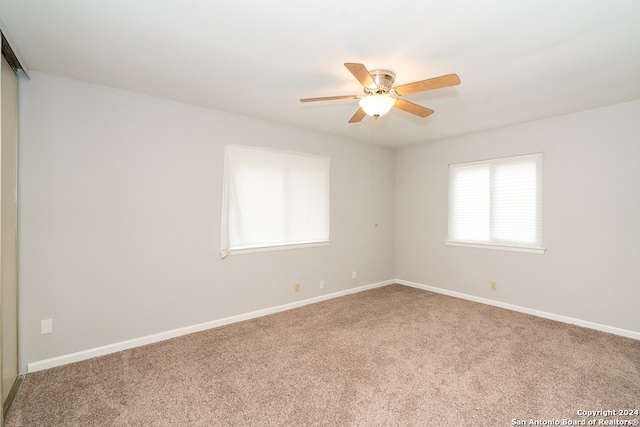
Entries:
{"x":150,"y":339}
{"x":539,"y":313}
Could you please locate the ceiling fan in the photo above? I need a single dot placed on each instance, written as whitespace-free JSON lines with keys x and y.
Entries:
{"x":380,"y":95}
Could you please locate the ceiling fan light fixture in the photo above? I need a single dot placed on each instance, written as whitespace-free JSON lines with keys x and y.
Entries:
{"x":380,"y":94}
{"x":376,"y":105}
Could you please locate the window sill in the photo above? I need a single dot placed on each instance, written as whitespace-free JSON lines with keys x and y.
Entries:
{"x":497,"y":247}
{"x":277,"y":248}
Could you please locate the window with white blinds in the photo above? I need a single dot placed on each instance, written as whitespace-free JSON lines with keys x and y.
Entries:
{"x":273,"y":198}
{"x":497,"y":203}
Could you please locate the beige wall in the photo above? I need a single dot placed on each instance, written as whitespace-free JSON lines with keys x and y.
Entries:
{"x":120,"y":218}
{"x":591,"y":218}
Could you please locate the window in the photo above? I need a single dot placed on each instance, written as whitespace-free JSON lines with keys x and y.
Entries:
{"x":497,"y":203}
{"x":273,"y":198}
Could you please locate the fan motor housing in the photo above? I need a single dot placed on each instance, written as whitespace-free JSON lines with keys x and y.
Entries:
{"x":383,"y":78}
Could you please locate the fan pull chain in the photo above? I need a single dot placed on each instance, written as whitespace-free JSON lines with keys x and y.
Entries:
{"x":375,"y":189}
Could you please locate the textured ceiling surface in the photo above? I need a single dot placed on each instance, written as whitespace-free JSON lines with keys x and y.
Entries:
{"x":518,"y":60}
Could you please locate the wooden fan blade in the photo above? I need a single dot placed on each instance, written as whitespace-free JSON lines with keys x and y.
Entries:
{"x":329,"y":98}
{"x":359,"y":115}
{"x":361,"y":73}
{"x":429,"y":84}
{"x":412,"y":108}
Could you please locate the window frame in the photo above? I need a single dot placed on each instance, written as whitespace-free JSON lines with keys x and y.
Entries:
{"x":278,"y":159}
{"x":536,"y":247}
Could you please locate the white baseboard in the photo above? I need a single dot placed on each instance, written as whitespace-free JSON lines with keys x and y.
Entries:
{"x":149,"y":339}
{"x":565,"y":319}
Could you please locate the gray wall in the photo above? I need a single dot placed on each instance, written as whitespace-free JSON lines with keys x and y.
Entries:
{"x":119,"y":218}
{"x":591,"y":218}
{"x":119,"y":208}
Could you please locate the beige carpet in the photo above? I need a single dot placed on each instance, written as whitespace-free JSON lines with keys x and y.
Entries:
{"x":393,"y":356}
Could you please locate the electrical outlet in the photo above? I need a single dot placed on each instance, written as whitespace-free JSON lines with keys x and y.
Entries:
{"x":354,"y":274}
{"x":46,"y":326}
{"x":296,"y":287}
{"x":494,"y":286}
{"x":321,"y":284}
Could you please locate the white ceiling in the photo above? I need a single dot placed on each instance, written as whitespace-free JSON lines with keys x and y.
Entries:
{"x":518,"y":60}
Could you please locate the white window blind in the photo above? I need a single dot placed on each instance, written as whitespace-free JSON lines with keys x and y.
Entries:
{"x":273,"y":198}
{"x":497,"y":202}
